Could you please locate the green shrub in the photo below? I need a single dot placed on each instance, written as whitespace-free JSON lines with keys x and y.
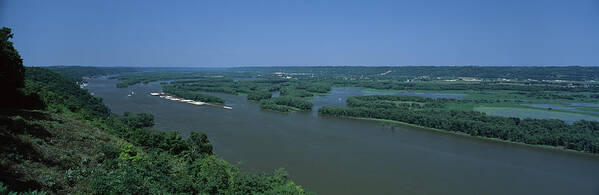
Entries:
{"x":128,"y":153}
{"x":259,"y":95}
{"x":214,"y":175}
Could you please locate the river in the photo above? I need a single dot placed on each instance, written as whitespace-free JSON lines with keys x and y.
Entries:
{"x":343,"y":156}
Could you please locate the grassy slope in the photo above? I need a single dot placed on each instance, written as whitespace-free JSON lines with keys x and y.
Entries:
{"x":42,"y":150}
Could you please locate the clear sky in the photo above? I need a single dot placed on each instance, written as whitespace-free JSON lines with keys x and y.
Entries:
{"x":302,"y":32}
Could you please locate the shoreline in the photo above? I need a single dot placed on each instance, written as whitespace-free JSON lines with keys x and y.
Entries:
{"x":544,"y":147}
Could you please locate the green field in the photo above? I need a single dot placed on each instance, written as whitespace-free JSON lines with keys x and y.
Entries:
{"x":534,"y":113}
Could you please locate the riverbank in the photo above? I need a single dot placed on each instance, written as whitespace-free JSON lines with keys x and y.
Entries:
{"x":546,"y":147}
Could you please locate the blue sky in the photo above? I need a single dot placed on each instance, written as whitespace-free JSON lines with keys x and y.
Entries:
{"x":296,"y":32}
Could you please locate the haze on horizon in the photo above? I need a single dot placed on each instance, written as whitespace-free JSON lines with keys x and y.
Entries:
{"x":257,"y":33}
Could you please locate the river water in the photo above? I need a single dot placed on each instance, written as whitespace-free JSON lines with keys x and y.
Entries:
{"x":344,"y":156}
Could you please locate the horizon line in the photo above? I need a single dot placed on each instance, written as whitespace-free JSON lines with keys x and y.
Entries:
{"x":261,"y":66}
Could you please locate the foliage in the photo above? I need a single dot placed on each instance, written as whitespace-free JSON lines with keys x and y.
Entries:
{"x":293,"y":102}
{"x":147,"y":75}
{"x":128,"y":153}
{"x":48,"y":152}
{"x":139,"y":120}
{"x":173,"y":90}
{"x":259,"y":95}
{"x":286,"y":104}
{"x":255,"y":89}
{"x":5,"y":191}
{"x":574,"y":73}
{"x":535,"y":113}
{"x":199,"y":144}
{"x":80,"y":73}
{"x":62,"y":95}
{"x":12,"y":72}
{"x":270,"y":105}
{"x":12,"y":75}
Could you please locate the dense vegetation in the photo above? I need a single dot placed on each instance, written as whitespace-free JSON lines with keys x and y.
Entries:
{"x":259,"y":95}
{"x":192,"y":95}
{"x":147,"y":75}
{"x":74,"y":144}
{"x":432,"y":113}
{"x":292,"y":92}
{"x":286,"y":104}
{"x":79,"y":73}
{"x":573,"y":73}
{"x":12,"y":71}
{"x":227,"y":85}
{"x":135,"y":78}
{"x":62,"y":96}
{"x":487,"y":85}
{"x":12,"y":75}
{"x":304,"y":89}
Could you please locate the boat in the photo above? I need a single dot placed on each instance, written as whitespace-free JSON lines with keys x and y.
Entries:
{"x":197,"y":103}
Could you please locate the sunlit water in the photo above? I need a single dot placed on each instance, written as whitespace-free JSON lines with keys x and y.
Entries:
{"x":342,"y":156}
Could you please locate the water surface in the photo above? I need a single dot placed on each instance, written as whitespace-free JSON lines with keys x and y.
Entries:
{"x":338,"y":156}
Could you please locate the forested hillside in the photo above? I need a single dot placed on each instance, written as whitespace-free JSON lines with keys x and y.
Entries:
{"x":77,"y":73}
{"x":70,"y":143}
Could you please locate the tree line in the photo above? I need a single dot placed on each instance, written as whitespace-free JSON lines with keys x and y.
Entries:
{"x":192,"y":95}
{"x":573,"y":73}
{"x":286,"y":104}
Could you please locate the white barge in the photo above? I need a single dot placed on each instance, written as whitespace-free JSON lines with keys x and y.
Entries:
{"x":182,"y":100}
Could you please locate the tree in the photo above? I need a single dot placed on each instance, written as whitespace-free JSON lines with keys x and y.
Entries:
{"x":200,"y":145}
{"x":12,"y":76}
{"x":12,"y":72}
{"x":140,"y":120}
